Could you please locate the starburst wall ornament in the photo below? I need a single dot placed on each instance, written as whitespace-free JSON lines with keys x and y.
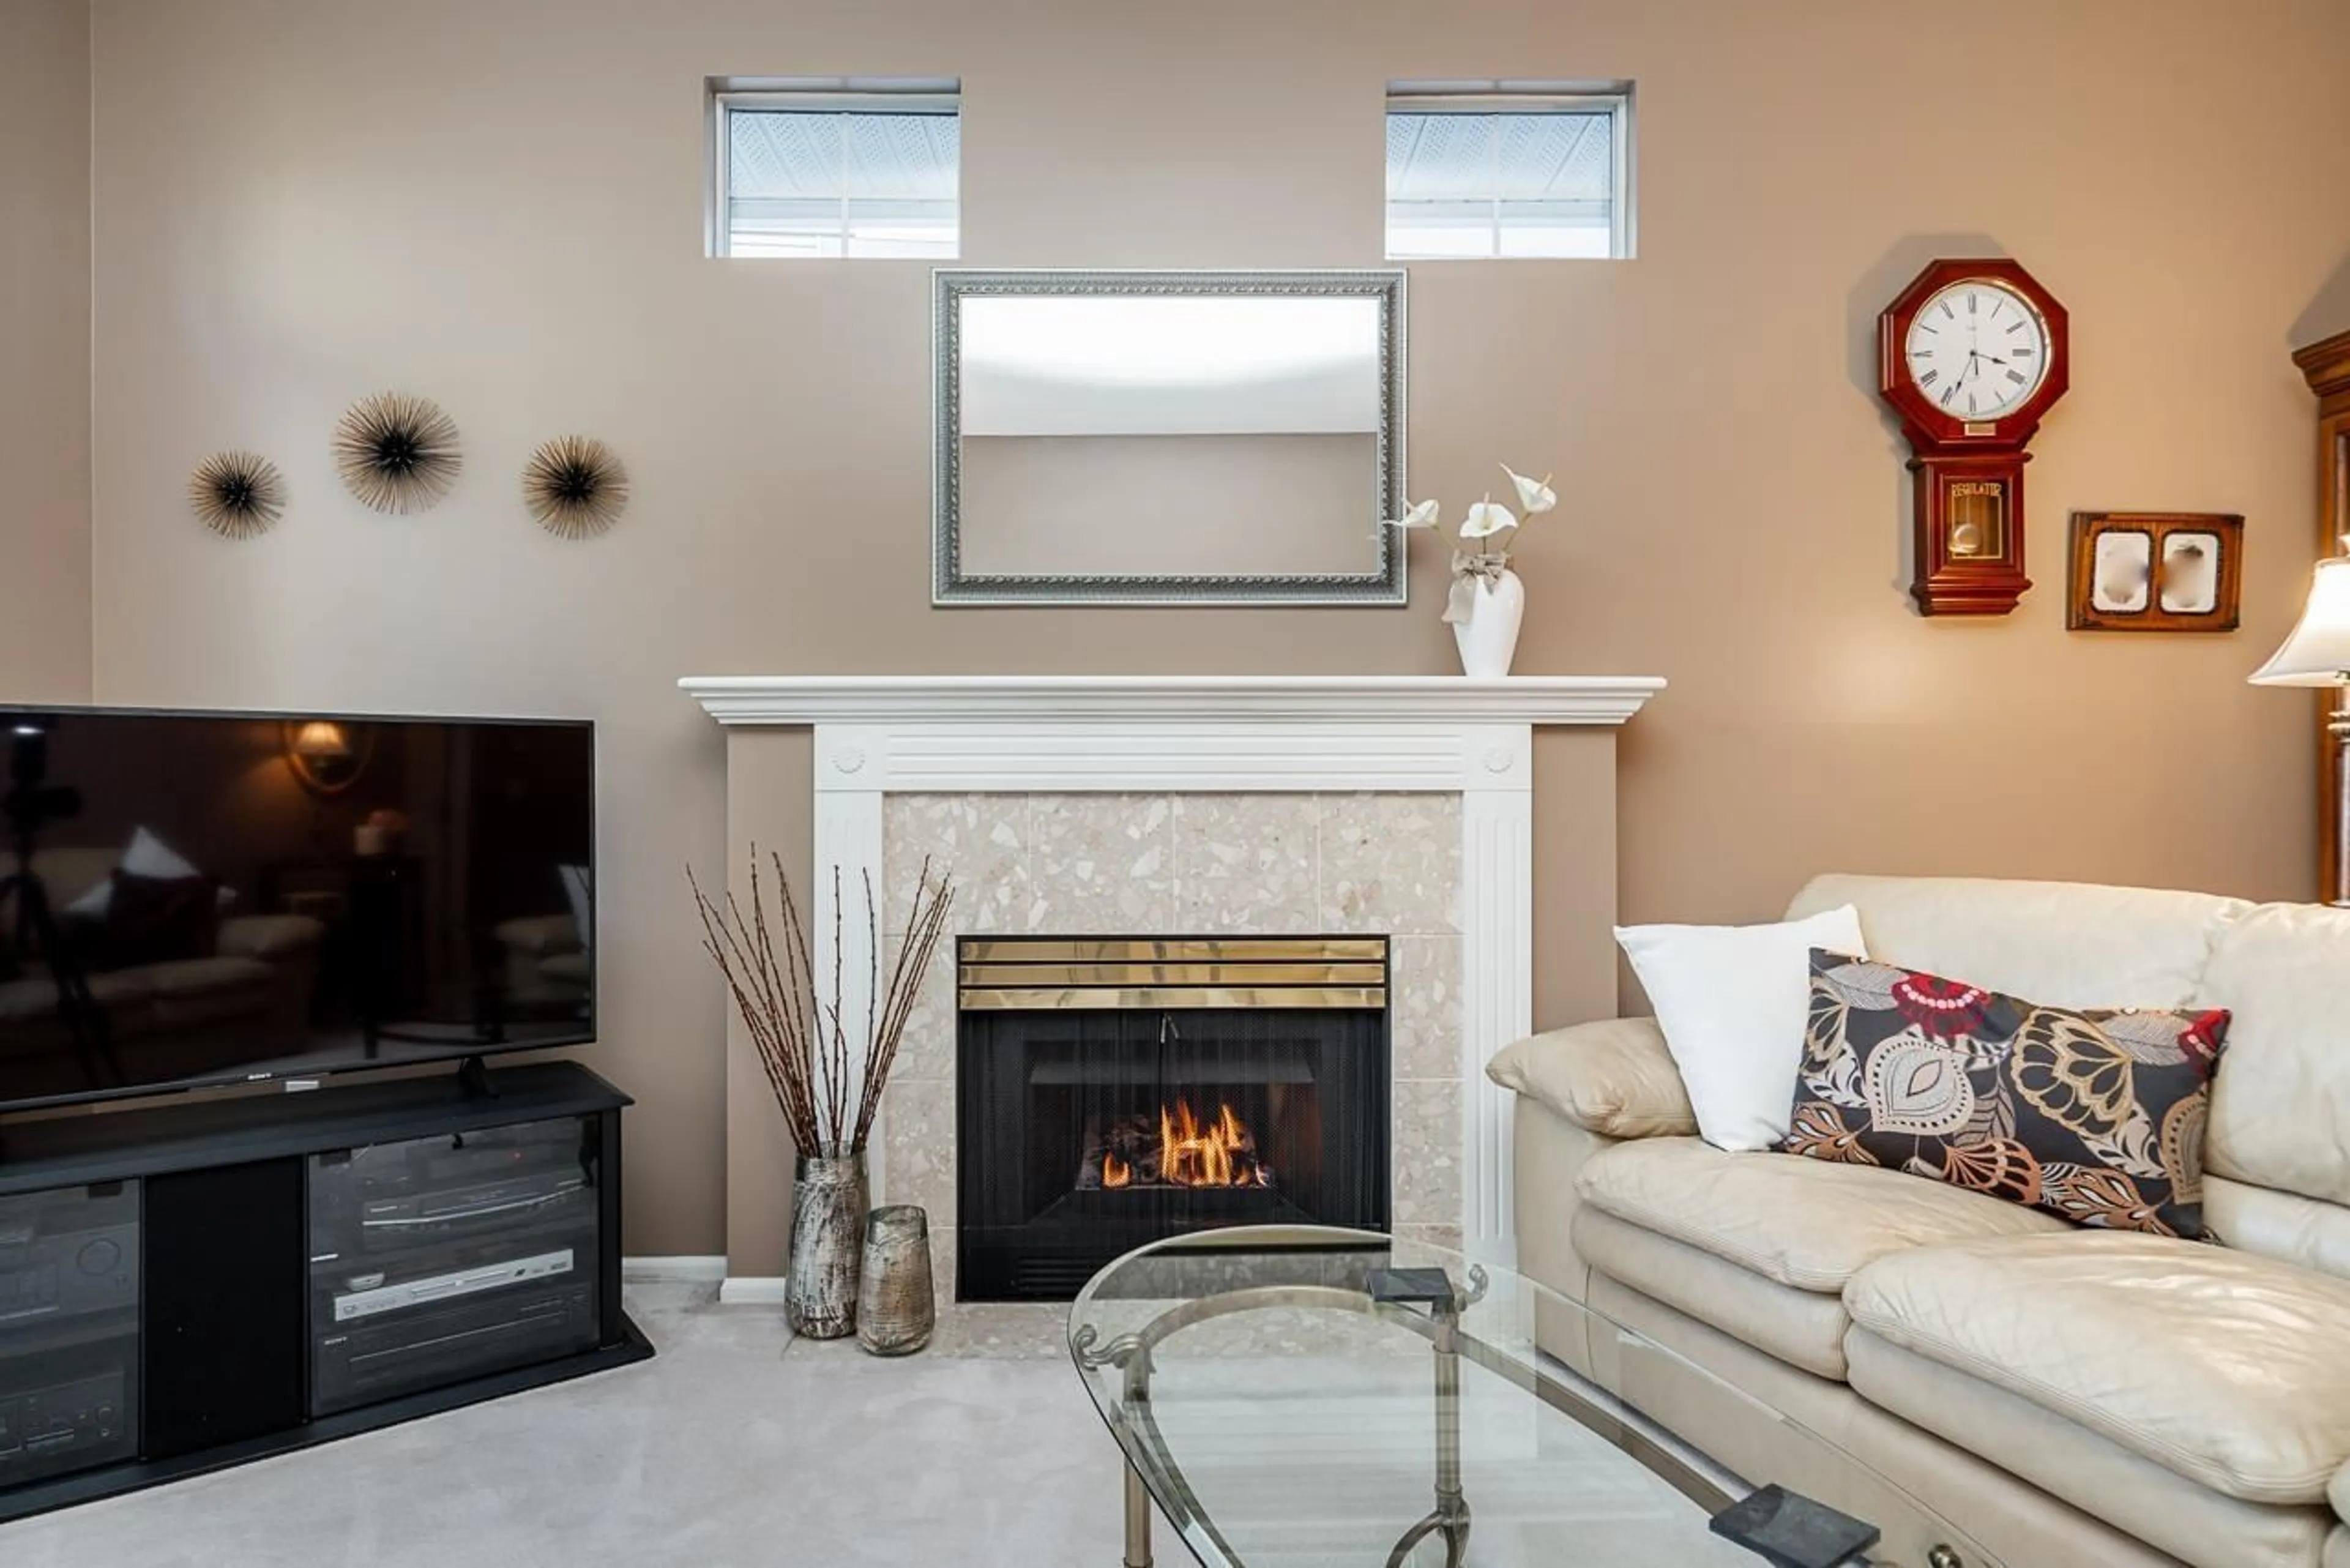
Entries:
{"x":575,"y":487}
{"x":237,"y":494}
{"x":397,"y":453}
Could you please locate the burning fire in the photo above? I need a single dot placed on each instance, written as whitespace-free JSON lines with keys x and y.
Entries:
{"x":1186,"y":1152}
{"x":1192,"y":1155}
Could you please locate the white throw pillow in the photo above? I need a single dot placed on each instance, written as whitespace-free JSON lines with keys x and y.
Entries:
{"x":148,"y":855}
{"x":1730,"y":1000}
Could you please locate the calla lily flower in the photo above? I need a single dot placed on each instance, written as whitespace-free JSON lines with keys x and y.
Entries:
{"x":1486,"y":519}
{"x":1533,"y":494}
{"x":1421,"y":516}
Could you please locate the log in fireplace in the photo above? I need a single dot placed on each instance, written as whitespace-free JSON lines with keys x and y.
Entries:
{"x":1115,"y":1091}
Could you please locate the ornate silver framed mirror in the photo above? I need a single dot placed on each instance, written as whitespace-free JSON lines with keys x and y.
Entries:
{"x":1171,"y":438}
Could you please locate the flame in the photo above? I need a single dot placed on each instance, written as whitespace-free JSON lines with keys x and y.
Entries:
{"x":1193,"y":1155}
{"x":1116,"y":1172}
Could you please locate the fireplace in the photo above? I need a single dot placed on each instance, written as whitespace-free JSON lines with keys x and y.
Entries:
{"x":1113,"y":1092}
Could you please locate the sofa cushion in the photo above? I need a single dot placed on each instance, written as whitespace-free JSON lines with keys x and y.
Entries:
{"x":1802,"y":1328}
{"x":205,"y":976}
{"x":1614,"y":1077}
{"x":1802,"y":1223}
{"x":539,"y":933}
{"x":2339,"y":1492}
{"x":2094,"y":1115}
{"x":2081,"y":1470}
{"x":275,"y":938}
{"x":2280,"y":1225}
{"x":2232,"y":1371}
{"x":568,"y":969}
{"x":2066,"y":944}
{"x":2280,"y":1108}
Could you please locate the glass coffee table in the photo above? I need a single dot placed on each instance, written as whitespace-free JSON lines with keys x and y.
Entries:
{"x":1307,"y":1398}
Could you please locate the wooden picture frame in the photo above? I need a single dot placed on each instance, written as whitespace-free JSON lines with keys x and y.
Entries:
{"x":2156,"y":571}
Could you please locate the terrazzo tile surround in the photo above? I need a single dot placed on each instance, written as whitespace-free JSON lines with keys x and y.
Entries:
{"x":1189,"y":864}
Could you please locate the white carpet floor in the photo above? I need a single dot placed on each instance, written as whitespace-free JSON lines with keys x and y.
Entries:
{"x":732,"y":1447}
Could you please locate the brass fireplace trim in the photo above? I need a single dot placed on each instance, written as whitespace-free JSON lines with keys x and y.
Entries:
{"x":1053,"y":973}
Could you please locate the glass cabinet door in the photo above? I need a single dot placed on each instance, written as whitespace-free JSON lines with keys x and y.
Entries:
{"x":68,"y":1330}
{"x":443,"y":1258}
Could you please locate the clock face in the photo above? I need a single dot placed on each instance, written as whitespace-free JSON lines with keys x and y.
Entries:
{"x":1977,"y":349}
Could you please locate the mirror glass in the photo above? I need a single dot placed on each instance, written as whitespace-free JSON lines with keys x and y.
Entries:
{"x":1179,"y":438}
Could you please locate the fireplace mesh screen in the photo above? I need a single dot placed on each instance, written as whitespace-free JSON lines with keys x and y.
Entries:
{"x":1117,"y":1092}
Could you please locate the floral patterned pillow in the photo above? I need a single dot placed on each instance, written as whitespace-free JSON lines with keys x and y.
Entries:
{"x":2096,"y":1117}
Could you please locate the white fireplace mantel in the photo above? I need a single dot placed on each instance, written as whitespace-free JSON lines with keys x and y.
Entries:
{"x":876,"y":735}
{"x":805,"y":699}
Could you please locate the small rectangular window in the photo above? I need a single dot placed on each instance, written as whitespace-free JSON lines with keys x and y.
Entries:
{"x":834,"y":168}
{"x":1508,"y":169}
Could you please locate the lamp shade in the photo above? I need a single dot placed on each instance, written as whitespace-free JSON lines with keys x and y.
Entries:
{"x":2318,"y":651}
{"x":321,"y":738}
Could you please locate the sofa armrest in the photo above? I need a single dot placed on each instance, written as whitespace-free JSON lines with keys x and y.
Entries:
{"x":540,"y":935}
{"x":1614,"y":1077}
{"x":273,"y":939}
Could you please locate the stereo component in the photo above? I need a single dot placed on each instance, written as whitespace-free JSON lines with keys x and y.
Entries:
{"x":64,"y":1426}
{"x":376,"y":1300}
{"x":391,"y":1222}
{"x":422,"y":1348}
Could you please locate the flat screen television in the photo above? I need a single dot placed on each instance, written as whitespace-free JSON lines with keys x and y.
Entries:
{"x":190,"y":900}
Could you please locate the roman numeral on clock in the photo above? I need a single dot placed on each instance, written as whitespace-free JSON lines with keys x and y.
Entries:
{"x":1930,"y":378}
{"x":2017,"y":377}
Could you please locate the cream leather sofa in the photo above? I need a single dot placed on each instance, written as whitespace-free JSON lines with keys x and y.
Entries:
{"x":2070,"y":1397}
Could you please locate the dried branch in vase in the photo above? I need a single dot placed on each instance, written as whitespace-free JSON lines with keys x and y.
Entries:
{"x":827,"y":1086}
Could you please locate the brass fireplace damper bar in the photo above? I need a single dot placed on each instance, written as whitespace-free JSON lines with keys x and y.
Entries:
{"x":1038,"y":974}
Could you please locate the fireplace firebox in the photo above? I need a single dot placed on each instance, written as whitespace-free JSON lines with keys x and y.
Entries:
{"x":1113,"y":1092}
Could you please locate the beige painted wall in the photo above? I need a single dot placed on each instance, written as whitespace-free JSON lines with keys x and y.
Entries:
{"x":45,"y":643}
{"x":497,"y":202}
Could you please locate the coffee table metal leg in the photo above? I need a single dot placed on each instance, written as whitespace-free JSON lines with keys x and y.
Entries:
{"x":1137,"y":1520}
{"x":1451,"y":1512}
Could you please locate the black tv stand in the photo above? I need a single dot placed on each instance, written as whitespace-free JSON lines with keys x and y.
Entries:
{"x":225,"y":1280}
{"x":474,"y":1078}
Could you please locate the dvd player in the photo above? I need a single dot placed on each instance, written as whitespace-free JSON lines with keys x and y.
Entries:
{"x":368,"y":1299}
{"x":398,"y":1221}
{"x":380,"y":1358}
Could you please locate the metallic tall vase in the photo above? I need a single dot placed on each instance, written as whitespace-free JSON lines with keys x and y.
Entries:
{"x":828,"y":1245}
{"x":895,"y":1308}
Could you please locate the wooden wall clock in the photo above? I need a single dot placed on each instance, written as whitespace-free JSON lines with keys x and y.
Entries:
{"x":1972,"y":356}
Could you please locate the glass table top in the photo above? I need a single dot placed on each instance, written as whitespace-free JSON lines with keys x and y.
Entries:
{"x":1309,"y":1398}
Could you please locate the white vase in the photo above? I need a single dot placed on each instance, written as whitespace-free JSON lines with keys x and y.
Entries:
{"x":1489,"y":638}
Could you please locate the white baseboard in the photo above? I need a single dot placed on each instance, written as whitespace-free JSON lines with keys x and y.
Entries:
{"x":749,"y":1290}
{"x":690,"y":1270}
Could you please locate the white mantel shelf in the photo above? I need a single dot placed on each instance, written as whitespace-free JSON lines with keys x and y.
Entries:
{"x":806,"y":700}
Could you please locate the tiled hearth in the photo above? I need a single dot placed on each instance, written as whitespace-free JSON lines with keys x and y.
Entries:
{"x":1135,"y":805}
{"x":1183,"y":865}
